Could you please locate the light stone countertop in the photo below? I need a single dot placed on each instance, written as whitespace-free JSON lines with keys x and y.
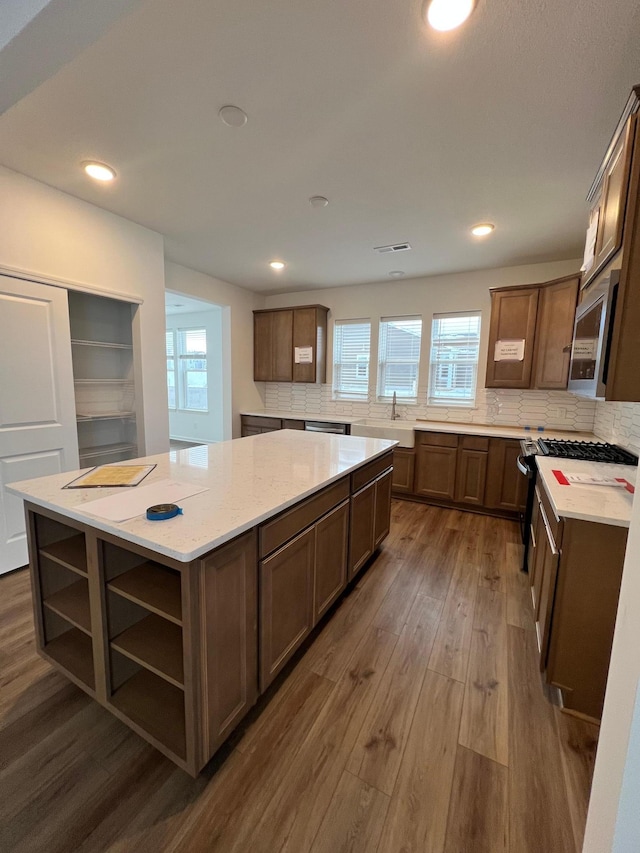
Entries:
{"x":603,"y":504}
{"x":249,"y":480}
{"x":495,"y":430}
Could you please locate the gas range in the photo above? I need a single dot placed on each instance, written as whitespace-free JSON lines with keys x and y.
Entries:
{"x":591,"y":451}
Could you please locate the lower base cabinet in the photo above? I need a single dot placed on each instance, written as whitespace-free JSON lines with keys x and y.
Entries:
{"x":471,"y":477}
{"x":332,"y":542}
{"x":404,"y":463}
{"x":370,"y":520}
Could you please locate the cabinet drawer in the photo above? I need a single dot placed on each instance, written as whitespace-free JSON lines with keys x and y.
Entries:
{"x":475,"y":442}
{"x":371,"y":470}
{"x":269,"y":423}
{"x":275,"y":533}
{"x":438,"y":439}
{"x":288,"y":423}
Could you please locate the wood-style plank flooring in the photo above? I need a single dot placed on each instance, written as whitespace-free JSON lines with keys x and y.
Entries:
{"x":413,"y":721}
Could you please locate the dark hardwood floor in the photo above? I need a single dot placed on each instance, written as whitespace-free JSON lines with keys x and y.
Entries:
{"x":414,"y":720}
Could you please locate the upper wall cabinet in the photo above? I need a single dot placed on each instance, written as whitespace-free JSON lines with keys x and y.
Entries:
{"x":289,"y":344}
{"x":530,"y":334}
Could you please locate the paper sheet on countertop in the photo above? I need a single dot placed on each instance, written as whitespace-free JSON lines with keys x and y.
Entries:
{"x":122,"y":507}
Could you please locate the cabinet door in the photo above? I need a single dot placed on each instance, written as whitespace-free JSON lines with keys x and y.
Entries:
{"x":471,"y":477}
{"x":506,"y":486}
{"x":282,"y":346}
{"x":229,"y":585}
{"x":286,"y":603}
{"x":613,"y":200}
{"x":363,"y":505}
{"x":382,"y":522}
{"x":263,"y":347}
{"x":554,"y":333}
{"x":536,"y":558}
{"x":436,"y":471}
{"x":304,"y":335}
{"x":251,"y":430}
{"x":513,"y":318}
{"x":403,"y":469}
{"x":549,"y":559}
{"x":332,"y":541}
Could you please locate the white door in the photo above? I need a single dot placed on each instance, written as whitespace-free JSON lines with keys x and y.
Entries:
{"x":37,"y":407}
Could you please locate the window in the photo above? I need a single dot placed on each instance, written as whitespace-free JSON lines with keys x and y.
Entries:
{"x":351,"y":347}
{"x":455,"y":344}
{"x":187,"y":384}
{"x":171,"y":369}
{"x":399,"y":357}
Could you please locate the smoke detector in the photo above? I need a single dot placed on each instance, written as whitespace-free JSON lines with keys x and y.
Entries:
{"x":396,"y":247}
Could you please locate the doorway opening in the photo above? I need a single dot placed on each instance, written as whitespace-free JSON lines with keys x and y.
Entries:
{"x":198,"y":383}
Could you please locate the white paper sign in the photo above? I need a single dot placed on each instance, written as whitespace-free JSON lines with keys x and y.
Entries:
{"x":592,"y":480}
{"x":303,"y":355}
{"x":584,"y":349}
{"x":590,"y":242}
{"x":509,"y":351}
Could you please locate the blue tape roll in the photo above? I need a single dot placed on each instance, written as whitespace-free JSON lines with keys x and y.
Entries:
{"x":161,"y":512}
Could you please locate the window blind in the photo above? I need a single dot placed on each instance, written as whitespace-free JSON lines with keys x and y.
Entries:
{"x":399,"y":357}
{"x":351,"y":351}
{"x":171,"y":368}
{"x":455,"y":345}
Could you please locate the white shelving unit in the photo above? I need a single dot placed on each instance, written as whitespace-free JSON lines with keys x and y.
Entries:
{"x":103,"y":369}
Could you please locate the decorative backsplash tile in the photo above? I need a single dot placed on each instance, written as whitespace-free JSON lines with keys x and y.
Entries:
{"x":548,"y":409}
{"x":619,"y":423}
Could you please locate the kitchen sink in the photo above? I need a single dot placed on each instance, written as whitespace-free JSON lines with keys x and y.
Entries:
{"x":400,"y":431}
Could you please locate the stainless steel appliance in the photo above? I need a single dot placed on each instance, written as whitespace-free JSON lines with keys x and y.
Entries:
{"x":325,"y":426}
{"x":593,"y":451}
{"x":591,"y":347}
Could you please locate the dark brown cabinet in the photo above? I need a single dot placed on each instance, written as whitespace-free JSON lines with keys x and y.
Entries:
{"x":542,"y":316}
{"x":436,"y":460}
{"x":382,"y":522}
{"x":289,"y":344}
{"x":286,"y":602}
{"x":363,"y":504}
{"x":404,"y":461}
{"x":257,"y":424}
{"x":506,"y":486}
{"x":331,"y":558}
{"x":471,"y":476}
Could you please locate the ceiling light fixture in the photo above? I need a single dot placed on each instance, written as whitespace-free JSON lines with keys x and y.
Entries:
{"x":318,"y":201}
{"x":277,"y":265}
{"x":482,"y":229}
{"x":396,"y":273}
{"x":98,"y":171}
{"x":444,"y":15}
{"x":232,"y":116}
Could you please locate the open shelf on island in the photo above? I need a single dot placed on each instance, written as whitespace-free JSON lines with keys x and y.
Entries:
{"x":155,"y":644}
{"x":73,"y":651}
{"x":152,"y":586}
{"x":72,"y":603}
{"x":70,"y":553}
{"x":156,"y":706}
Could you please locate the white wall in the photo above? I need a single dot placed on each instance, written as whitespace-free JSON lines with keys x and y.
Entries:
{"x":202,"y":426}
{"x":51,"y":235}
{"x":239,"y":388}
{"x":619,"y":740}
{"x":426,"y":296}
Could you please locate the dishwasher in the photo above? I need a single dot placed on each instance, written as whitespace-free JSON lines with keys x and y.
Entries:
{"x":326,"y":426}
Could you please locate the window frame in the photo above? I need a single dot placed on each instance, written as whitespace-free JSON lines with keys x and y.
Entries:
{"x":338,"y":392}
{"x":468,"y":401}
{"x":384,"y":361}
{"x":172,"y":334}
{"x":181,"y":370}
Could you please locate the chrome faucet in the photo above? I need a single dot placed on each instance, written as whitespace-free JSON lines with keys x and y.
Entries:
{"x":394,"y":415}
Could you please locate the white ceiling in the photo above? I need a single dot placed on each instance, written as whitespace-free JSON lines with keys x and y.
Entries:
{"x":412,"y":135}
{"x":178,"y":303}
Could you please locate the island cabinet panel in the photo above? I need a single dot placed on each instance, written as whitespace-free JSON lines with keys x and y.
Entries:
{"x":404,"y":463}
{"x":471,"y":476}
{"x":362,"y":527}
{"x":554,"y":333}
{"x":332,"y":542}
{"x":229,"y":641}
{"x":506,"y":486}
{"x":286,"y":603}
{"x":513,"y":318}
{"x":436,"y":471}
{"x":382,"y":523}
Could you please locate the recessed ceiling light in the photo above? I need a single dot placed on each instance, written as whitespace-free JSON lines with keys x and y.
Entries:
{"x":482,"y":229}
{"x":98,"y":171}
{"x":396,"y":273}
{"x":446,"y":15}
{"x":277,"y":265}
{"x":318,"y":201}
{"x":232,"y":116}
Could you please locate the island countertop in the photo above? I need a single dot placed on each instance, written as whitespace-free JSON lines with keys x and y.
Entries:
{"x":248,"y":481}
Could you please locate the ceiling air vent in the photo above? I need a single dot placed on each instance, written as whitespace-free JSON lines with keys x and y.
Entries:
{"x":397,"y":247}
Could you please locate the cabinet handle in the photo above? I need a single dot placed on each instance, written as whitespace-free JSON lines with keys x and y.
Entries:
{"x":552,"y":543}
{"x":567,"y":348}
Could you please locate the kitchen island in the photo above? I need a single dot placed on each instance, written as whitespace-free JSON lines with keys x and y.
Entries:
{"x":177,"y":626}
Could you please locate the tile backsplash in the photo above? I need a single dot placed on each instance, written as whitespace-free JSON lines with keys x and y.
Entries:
{"x":619,"y":423}
{"x":549,"y":409}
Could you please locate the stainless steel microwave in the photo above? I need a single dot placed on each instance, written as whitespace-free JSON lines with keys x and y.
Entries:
{"x":591,"y":346}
